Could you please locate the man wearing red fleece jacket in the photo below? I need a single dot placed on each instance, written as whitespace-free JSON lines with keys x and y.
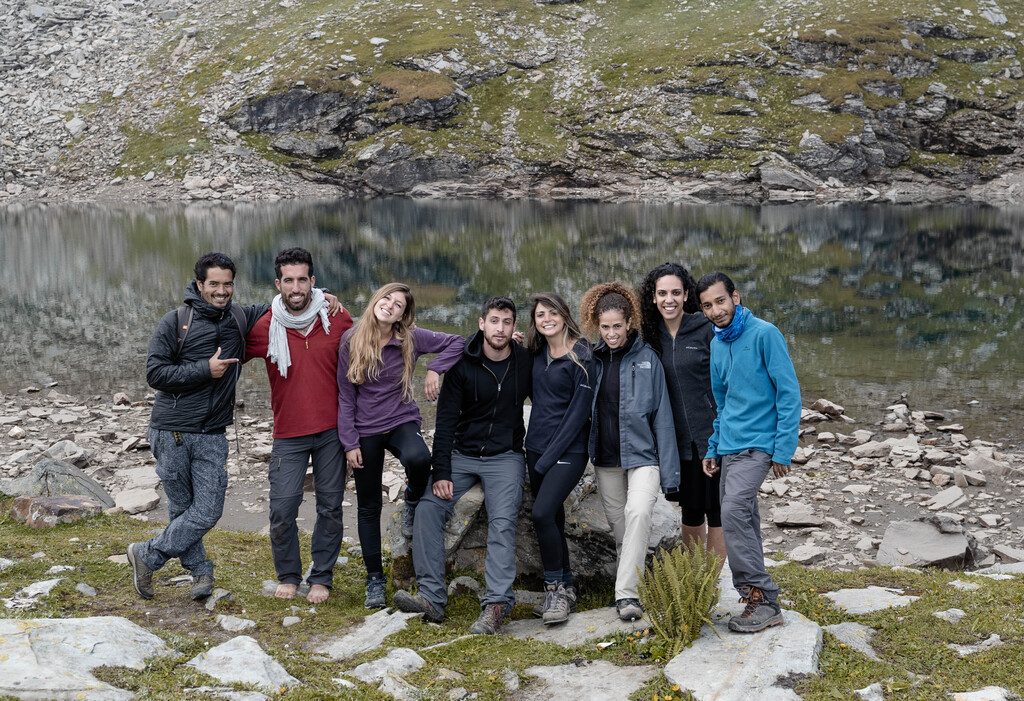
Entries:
{"x":300,"y":346}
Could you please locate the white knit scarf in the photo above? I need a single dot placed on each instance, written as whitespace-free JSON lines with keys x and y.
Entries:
{"x":282,"y":320}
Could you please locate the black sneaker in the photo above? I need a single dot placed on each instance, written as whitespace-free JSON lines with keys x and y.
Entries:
{"x":759,"y":613}
{"x":202,"y":586}
{"x":375,"y":591}
{"x":490,"y":620}
{"x":409,"y":519}
{"x":416,"y":603}
{"x":142,"y":576}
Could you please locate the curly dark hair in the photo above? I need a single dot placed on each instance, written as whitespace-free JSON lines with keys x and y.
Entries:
{"x":650,"y":316}
{"x":604,"y":297}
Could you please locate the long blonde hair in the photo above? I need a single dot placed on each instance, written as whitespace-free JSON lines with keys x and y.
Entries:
{"x":365,"y":362}
{"x":570,"y":330}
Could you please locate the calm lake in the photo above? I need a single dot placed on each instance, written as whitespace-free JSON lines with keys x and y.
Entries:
{"x":874,"y":301}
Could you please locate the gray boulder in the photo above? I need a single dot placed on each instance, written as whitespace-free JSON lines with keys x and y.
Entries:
{"x":242,"y":660}
{"x":936,"y":542}
{"x":53,"y":478}
{"x":598,"y":680}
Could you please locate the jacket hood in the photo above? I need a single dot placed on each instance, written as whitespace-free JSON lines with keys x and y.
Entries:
{"x":194,"y":299}
{"x":474,"y":348}
{"x":604,"y":351}
{"x":687,"y":324}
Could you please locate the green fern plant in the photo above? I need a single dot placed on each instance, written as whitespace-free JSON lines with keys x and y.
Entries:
{"x":678,"y":592}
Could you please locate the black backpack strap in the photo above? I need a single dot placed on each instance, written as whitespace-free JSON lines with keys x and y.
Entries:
{"x":185,"y":314}
{"x":239,"y":316}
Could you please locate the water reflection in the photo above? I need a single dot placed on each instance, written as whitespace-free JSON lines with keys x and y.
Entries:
{"x":873,"y":300}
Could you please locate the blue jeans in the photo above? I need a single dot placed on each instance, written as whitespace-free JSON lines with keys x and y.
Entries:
{"x":742,"y":475}
{"x":288,"y":461}
{"x":193,"y":468}
{"x":501,"y":477}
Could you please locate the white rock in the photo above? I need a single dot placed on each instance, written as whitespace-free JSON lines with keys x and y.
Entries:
{"x":964,"y":650}
{"x":856,"y":636}
{"x":234,"y":624}
{"x":964,"y":586}
{"x":598,"y":680}
{"x":17,"y":433}
{"x":857,"y":601}
{"x":399,"y":661}
{"x":871,"y":693}
{"x":136,"y":501}
{"x":989,"y":693}
{"x":369,"y":635}
{"x":947,"y":499}
{"x":378,"y":41}
{"x":807,"y":554}
{"x":950,"y":615}
{"x":581,"y":627}
{"x":290,"y":621}
{"x":242,"y":660}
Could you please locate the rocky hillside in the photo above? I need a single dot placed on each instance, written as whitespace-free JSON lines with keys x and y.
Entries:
{"x":907,"y":100}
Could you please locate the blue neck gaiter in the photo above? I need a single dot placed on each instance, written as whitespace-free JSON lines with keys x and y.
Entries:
{"x":731,"y":332}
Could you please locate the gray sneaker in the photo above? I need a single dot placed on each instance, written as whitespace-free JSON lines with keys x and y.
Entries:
{"x":490,"y":620}
{"x":374,"y":591}
{"x":202,"y":586}
{"x":759,"y":613}
{"x":629,"y":609}
{"x":409,"y":519}
{"x":142,"y":576}
{"x":570,"y":592}
{"x":416,"y":603}
{"x":556,"y":604}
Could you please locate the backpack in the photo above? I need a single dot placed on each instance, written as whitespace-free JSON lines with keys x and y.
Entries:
{"x":186,"y":312}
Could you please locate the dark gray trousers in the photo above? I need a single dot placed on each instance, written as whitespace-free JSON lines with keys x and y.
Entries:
{"x":501,"y":477}
{"x":742,"y":475}
{"x":288,"y":461}
{"x":192,"y":467}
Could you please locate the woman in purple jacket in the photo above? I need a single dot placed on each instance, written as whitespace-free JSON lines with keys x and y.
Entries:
{"x":377,"y":412}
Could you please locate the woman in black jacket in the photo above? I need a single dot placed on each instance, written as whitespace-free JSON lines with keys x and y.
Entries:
{"x":674,"y":327}
{"x":556,"y":442}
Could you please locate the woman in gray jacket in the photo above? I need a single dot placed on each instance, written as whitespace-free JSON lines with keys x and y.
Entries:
{"x":632,"y":437}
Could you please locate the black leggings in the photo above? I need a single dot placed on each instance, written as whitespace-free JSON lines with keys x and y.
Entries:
{"x":406,"y":444}
{"x":695,"y":517}
{"x":549,"y":493}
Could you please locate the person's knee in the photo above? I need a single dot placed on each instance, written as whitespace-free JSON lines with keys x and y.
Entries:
{"x":206,"y":520}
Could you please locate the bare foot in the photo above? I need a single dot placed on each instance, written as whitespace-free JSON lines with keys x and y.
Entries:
{"x":285,"y":590}
{"x":318,"y":594}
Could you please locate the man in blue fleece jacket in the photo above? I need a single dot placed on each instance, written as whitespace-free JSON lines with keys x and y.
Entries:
{"x":756,"y":430}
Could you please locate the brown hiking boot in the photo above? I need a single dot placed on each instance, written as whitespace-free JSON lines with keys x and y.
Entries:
{"x":759,"y":613}
{"x":142,"y":576}
{"x":490,"y":620}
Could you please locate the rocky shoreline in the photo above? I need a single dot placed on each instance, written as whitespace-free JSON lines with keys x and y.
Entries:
{"x":859,"y":494}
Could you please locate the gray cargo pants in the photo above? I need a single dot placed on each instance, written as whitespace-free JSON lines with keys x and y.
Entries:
{"x":501,"y":477}
{"x":742,"y":475}
{"x":193,"y":468}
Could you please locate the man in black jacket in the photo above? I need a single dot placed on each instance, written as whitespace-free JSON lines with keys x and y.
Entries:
{"x":195,"y":400}
{"x":479,"y":437}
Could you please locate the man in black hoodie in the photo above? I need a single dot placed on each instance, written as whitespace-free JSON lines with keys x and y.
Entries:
{"x":194,"y":370}
{"x":479,"y":437}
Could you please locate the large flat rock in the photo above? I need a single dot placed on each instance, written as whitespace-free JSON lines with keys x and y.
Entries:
{"x":742,"y":667}
{"x":242,"y":660}
{"x":598,"y":680}
{"x":921,"y":544}
{"x":581,"y":627}
{"x":46,"y":658}
{"x":369,"y":635}
{"x":857,"y":601}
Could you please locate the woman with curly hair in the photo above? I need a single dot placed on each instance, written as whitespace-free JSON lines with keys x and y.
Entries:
{"x":632,"y":437}
{"x":556,"y":441}
{"x":377,"y":412}
{"x":674,"y":327}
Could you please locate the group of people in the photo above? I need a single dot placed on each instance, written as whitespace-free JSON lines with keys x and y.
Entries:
{"x":673,"y":387}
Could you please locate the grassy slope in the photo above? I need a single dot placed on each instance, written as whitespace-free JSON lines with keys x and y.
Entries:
{"x":606,"y":77}
{"x":915,"y":664}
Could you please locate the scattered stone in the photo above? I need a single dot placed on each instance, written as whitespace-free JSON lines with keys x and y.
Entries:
{"x":52,"y":658}
{"x":871,"y":449}
{"x":242,"y":660}
{"x":989,"y":693}
{"x":5,"y":563}
{"x":55,"y":478}
{"x":1008,"y":554}
{"x":977,"y":462}
{"x":964,"y":650}
{"x":807,"y":554}
{"x":856,"y":636}
{"x":827,"y":407}
{"x":218,"y":596}
{"x":368,"y":635}
{"x":857,"y":601}
{"x":923,"y":544}
{"x":950,"y":615}
{"x":85,"y":589}
{"x":964,"y":586}
{"x":748,"y":666}
{"x":947,"y":499}
{"x":594,"y":680}
{"x":137,"y":501}
{"x":290,"y":621}
{"x":234,"y":624}
{"x":871,"y":693}
{"x":45,"y":512}
{"x":582,"y":627}
{"x":399,"y":661}
{"x":796,"y":514}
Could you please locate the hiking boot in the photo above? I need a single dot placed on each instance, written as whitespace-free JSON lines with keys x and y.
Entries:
{"x":570,"y":592}
{"x":409,"y":519}
{"x":202,"y":586}
{"x":759,"y":613}
{"x":142,"y":576}
{"x":629,"y":609}
{"x":416,"y":603}
{"x":490,"y":620}
{"x":374,"y":591}
{"x":556,"y":604}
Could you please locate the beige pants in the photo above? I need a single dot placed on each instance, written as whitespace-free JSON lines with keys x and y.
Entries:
{"x":628,"y":497}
